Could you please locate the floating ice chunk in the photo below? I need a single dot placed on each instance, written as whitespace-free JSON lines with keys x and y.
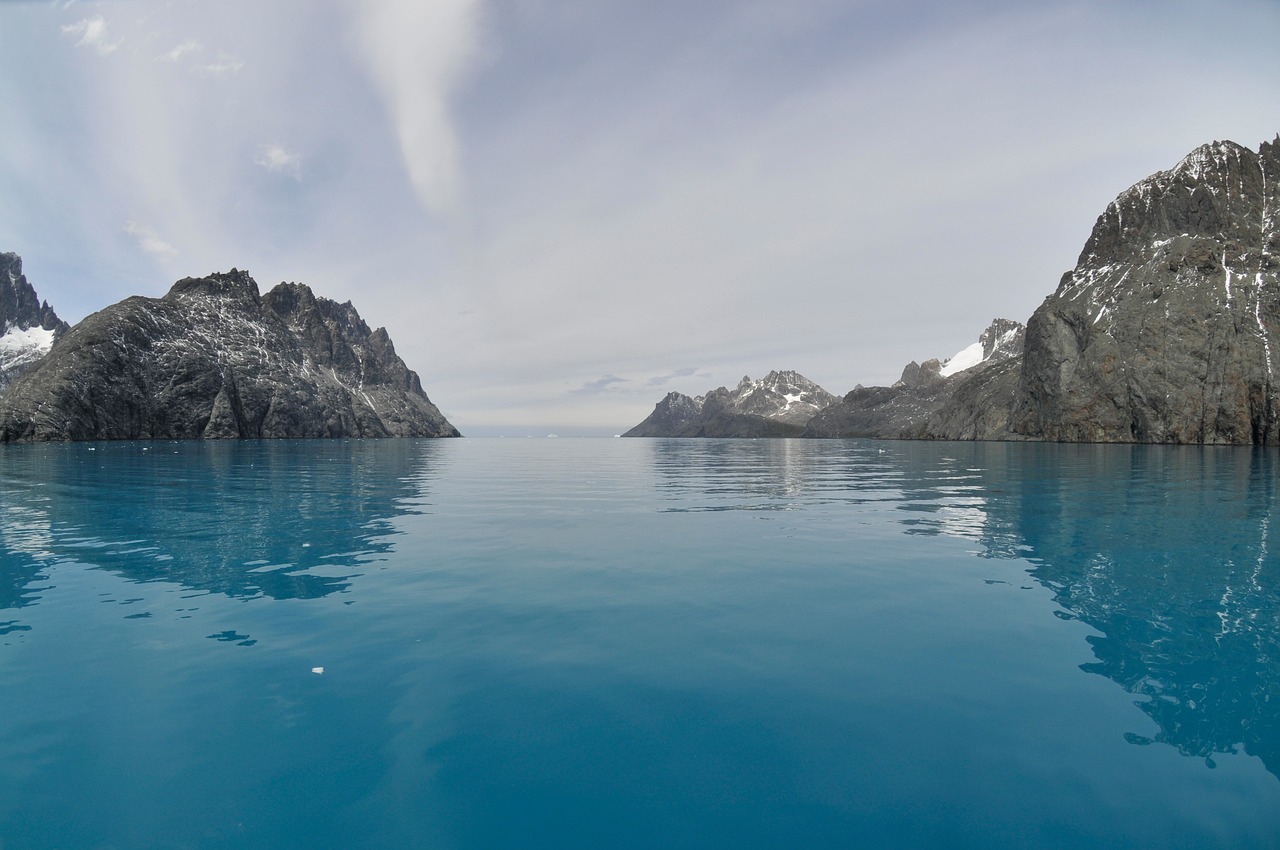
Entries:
{"x":318,"y":670}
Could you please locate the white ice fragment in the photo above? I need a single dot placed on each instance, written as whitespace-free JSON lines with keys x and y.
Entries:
{"x":319,"y":671}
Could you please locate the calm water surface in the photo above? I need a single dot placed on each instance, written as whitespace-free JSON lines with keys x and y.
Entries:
{"x":638,"y":643}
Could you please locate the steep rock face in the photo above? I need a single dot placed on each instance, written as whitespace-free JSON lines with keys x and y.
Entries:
{"x":1166,"y":329}
{"x":967,"y":397}
{"x":214,"y":359}
{"x":28,"y":326}
{"x":777,"y":405}
{"x":674,"y":416}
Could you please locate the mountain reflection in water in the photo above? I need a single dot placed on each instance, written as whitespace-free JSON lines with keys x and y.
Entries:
{"x":1164,"y":550}
{"x":282,"y":519}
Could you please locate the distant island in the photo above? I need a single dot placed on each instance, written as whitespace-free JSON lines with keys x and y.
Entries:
{"x":212,"y":359}
{"x":1164,"y":332}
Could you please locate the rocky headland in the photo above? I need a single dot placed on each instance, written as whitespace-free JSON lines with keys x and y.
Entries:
{"x":1164,"y":332}
{"x":216,"y":359}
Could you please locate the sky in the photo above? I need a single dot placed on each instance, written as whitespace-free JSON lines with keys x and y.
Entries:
{"x":562,"y":210}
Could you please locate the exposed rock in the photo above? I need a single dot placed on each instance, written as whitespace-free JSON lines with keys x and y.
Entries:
{"x":966,"y":398}
{"x":675,"y":416}
{"x":1166,"y":330}
{"x":214,"y":359}
{"x":777,"y":405}
{"x":28,"y":326}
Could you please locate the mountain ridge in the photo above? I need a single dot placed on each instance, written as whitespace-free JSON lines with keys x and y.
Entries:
{"x":214,"y":359}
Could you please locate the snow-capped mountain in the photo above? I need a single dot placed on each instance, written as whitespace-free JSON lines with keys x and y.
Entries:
{"x":28,"y":326}
{"x":215,"y":359}
{"x":1001,"y":340}
{"x":779,"y":404}
{"x":783,"y":396}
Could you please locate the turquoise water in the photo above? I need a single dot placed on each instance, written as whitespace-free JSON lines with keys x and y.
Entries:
{"x":638,"y":643}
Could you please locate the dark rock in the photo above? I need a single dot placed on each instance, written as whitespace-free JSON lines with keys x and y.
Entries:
{"x":966,"y":398}
{"x":1166,"y":330}
{"x":214,"y":359}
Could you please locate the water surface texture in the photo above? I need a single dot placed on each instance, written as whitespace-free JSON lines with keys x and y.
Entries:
{"x":638,"y":644}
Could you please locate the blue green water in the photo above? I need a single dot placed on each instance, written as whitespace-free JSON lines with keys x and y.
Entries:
{"x":638,"y":643}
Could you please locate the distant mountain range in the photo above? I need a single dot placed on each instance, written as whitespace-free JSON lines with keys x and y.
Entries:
{"x":213,"y":358}
{"x":1166,"y":331}
{"x":777,"y":405}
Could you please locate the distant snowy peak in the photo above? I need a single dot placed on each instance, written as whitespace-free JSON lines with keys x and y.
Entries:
{"x":1001,"y":340}
{"x":22,"y":346}
{"x":779,"y":404}
{"x":787,"y":396}
{"x":28,"y":326}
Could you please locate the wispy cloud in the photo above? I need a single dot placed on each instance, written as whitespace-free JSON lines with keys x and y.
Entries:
{"x":670,"y":376}
{"x":93,"y":34}
{"x":224,"y":64}
{"x":148,"y":241}
{"x":278,"y":159}
{"x":185,"y":49}
{"x":598,"y":386}
{"x":417,"y":52}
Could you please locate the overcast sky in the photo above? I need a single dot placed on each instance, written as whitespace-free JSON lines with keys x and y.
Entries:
{"x":563,"y":209}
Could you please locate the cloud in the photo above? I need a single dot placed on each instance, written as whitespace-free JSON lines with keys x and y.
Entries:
{"x":277,"y":159}
{"x":93,"y":33}
{"x":670,"y":376}
{"x":225,"y":64}
{"x":417,"y":52}
{"x":598,"y":386}
{"x":184,"y":49}
{"x":149,"y":242}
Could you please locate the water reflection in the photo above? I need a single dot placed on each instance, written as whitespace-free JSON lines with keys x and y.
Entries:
{"x":280,"y":519}
{"x":1165,"y":551}
{"x":770,"y":475}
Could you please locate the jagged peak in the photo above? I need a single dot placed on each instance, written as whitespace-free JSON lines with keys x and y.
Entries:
{"x":232,"y":284}
{"x":1216,"y":152}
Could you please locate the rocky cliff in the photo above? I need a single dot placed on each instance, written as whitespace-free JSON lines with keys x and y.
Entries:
{"x":1166,"y":329}
{"x":28,"y":326}
{"x":966,"y":397}
{"x":777,"y":405}
{"x":215,"y":359}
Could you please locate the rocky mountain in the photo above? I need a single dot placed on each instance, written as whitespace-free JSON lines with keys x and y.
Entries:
{"x":1168,"y":328}
{"x":777,"y":405}
{"x":1166,"y":331}
{"x":214,"y":358}
{"x":937,"y":396}
{"x":28,"y":326}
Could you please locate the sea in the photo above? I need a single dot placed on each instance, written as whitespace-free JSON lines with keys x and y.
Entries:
{"x":638,"y":643}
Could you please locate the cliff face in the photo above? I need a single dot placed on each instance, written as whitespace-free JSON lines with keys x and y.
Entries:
{"x":1166,"y":329}
{"x":214,"y":359}
{"x":28,"y":326}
